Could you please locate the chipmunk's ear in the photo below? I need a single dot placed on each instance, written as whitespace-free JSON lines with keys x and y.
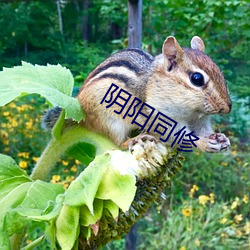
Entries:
{"x":197,"y":43}
{"x":171,"y":49}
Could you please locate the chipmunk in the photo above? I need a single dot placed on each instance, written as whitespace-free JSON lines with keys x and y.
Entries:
{"x":181,"y":83}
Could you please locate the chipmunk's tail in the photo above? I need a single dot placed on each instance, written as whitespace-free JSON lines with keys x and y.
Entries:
{"x":50,"y":118}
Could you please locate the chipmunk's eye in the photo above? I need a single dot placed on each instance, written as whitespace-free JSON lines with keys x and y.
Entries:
{"x":197,"y":79}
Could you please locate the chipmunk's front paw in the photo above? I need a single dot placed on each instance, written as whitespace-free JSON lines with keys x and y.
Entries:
{"x":215,"y":143}
{"x":141,"y":139}
{"x":218,"y":142}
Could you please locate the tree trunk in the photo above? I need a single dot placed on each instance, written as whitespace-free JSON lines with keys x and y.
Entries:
{"x":85,"y":28}
{"x":135,"y":23}
{"x":59,"y":16}
{"x":131,"y":238}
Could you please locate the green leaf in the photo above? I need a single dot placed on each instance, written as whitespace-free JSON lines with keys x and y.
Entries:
{"x":118,"y":188}
{"x":50,"y":234}
{"x":26,"y":202}
{"x":14,"y":198}
{"x":9,"y":168}
{"x":112,"y":208}
{"x":53,"y":82}
{"x":83,"y":189}
{"x":86,"y":218}
{"x":14,"y":223}
{"x":83,"y":152}
{"x":34,"y":243}
{"x":58,"y":127}
{"x":47,"y":215}
{"x":6,"y":186}
{"x":86,"y":231}
{"x":20,"y":197}
{"x":4,"y":240}
{"x":39,"y":194}
{"x":67,"y":226}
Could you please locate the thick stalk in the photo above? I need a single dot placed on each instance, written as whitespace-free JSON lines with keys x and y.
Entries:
{"x":54,"y":150}
{"x":57,"y":147}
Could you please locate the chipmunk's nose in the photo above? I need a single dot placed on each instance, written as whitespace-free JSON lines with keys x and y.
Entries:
{"x":227,"y":108}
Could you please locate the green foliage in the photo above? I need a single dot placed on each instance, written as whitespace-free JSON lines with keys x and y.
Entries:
{"x":25,"y":200}
{"x":52,"y":82}
{"x":200,"y":223}
{"x":30,"y":32}
{"x":19,"y":198}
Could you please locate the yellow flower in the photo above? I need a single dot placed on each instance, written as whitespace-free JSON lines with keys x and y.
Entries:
{"x":235,"y":203}
{"x":12,"y":105}
{"x":6,"y":149}
{"x":35,"y":159}
{"x":6,"y":141}
{"x":70,"y":178}
{"x":223,"y":220}
{"x":14,"y":123}
{"x":73,"y":168}
{"x":6,"y":113}
{"x":77,"y":162}
{"x":29,"y":124}
{"x":211,"y":195}
{"x":238,"y":218}
{"x":197,"y":242}
{"x":4,"y":134}
{"x":65,"y":163}
{"x":245,"y":199}
{"x":238,"y":159}
{"x":193,"y":190}
{"x":187,"y":211}
{"x":183,"y":248}
{"x":24,"y":154}
{"x":28,"y":241}
{"x":225,"y":164}
{"x":23,"y":164}
{"x":223,"y":235}
{"x":65,"y":185}
{"x":55,"y":178}
{"x":203,"y":199}
{"x":238,"y":233}
{"x":247,"y":227}
{"x":234,"y":152}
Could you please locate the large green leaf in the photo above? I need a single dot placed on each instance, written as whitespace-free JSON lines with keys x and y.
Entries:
{"x":6,"y":186}
{"x":86,"y":218}
{"x":67,"y":226}
{"x":20,"y":197}
{"x":9,"y":168}
{"x":53,"y":82}
{"x":112,"y":208}
{"x":118,"y":188}
{"x":39,"y":194}
{"x":83,"y":189}
{"x":83,"y":152}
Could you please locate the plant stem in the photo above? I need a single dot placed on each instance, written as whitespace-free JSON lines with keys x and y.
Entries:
{"x":57,"y":147}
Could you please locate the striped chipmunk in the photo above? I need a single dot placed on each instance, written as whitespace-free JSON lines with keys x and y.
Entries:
{"x":183,"y":84}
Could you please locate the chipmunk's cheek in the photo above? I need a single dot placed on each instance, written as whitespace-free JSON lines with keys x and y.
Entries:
{"x":226,"y":109}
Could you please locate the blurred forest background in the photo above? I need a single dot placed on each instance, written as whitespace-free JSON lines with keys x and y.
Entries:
{"x":207,"y":206}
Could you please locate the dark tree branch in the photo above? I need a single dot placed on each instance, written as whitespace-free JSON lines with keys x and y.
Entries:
{"x":134,"y":23}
